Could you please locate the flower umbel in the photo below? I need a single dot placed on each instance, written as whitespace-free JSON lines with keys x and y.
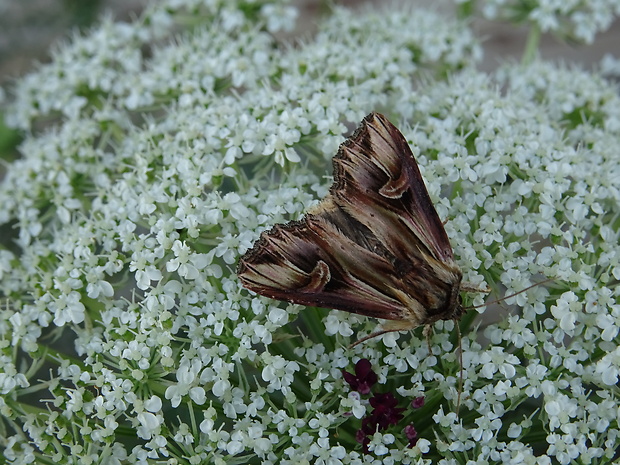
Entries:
{"x":385,"y":411}
{"x":154,"y":153}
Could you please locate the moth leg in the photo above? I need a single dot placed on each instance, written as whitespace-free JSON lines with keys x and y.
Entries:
{"x":388,"y":327}
{"x":370,"y":336}
{"x":471,"y":287}
{"x":428,"y":332}
{"x":460,"y":392}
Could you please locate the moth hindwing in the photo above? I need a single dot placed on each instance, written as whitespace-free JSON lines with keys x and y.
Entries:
{"x":374,"y":246}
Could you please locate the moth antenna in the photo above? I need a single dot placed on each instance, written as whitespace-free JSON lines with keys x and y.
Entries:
{"x":511,"y":295}
{"x":458,"y":398}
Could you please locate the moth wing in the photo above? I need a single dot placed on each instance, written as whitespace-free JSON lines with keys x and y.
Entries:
{"x":311,"y":262}
{"x":377,"y":181}
{"x":374,"y":246}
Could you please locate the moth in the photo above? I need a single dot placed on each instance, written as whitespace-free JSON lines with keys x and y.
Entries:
{"x":374,"y":246}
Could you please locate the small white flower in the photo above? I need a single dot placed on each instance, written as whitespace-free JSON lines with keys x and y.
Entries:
{"x":336,"y":323}
{"x":563,"y":311}
{"x":608,"y":368}
{"x":379,"y":442}
{"x":149,"y":424}
{"x":153,"y":405}
{"x":354,"y":403}
{"x":186,"y":376}
{"x":68,"y":309}
{"x":278,"y":372}
{"x":496,"y":360}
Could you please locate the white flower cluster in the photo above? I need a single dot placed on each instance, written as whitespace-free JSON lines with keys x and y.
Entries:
{"x":572,"y":19}
{"x":126,"y":215}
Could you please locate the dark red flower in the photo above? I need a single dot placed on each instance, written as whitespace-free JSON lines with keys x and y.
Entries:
{"x":369,"y":427}
{"x":411,"y":434}
{"x":417,"y":402}
{"x":363,"y":379}
{"x":385,"y":411}
{"x":360,"y":436}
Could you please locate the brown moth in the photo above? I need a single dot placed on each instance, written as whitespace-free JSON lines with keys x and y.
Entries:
{"x":374,"y":246}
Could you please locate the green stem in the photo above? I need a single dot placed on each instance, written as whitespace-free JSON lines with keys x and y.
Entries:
{"x":531,"y":47}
